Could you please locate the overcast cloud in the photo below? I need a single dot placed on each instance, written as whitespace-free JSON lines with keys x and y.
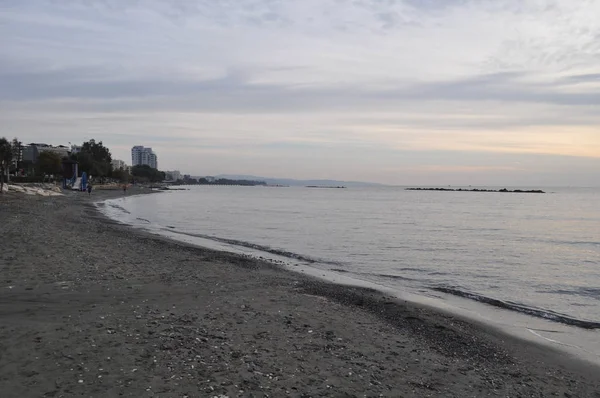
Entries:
{"x":394,"y":91}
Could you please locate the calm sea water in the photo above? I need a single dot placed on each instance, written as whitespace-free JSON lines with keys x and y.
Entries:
{"x":537,"y":254}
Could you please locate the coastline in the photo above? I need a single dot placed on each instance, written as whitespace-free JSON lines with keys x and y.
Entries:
{"x":78,"y":289}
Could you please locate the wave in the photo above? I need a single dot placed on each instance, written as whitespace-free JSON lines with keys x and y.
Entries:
{"x":411,"y":269}
{"x":249,"y":245}
{"x":539,"y":313}
{"x":387,"y":276}
{"x":582,"y":291}
{"x":116,"y":206}
{"x":438,"y":273}
{"x":592,"y":243}
{"x":575,"y":242}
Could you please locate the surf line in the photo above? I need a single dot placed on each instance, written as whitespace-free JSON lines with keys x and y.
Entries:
{"x":554,"y":341}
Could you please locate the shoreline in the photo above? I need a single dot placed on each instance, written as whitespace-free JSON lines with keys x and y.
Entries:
{"x":163,"y":300}
{"x":377,"y":301}
{"x":561,"y":332}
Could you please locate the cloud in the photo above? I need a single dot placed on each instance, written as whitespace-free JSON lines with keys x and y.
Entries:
{"x":236,"y":91}
{"x":262,"y":78}
{"x":583,"y":78}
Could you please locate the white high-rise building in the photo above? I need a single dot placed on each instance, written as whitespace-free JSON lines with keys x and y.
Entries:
{"x":143,"y":156}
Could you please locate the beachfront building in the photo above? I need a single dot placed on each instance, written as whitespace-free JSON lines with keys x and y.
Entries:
{"x":143,"y":156}
{"x":32,"y":151}
{"x":118,"y":164}
{"x":173,"y":175}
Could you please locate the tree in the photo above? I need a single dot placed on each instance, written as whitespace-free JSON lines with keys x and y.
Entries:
{"x":147,"y":173}
{"x":95,"y":159}
{"x":6,"y":157}
{"x":86,"y":163}
{"x":17,"y":151}
{"x":121,"y":175}
{"x":49,"y":163}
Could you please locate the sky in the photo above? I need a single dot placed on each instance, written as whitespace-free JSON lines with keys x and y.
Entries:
{"x":427,"y":92}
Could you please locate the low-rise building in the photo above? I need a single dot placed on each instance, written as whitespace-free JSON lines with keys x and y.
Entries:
{"x":32,"y":151}
{"x":118,"y":164}
{"x":173,"y":175}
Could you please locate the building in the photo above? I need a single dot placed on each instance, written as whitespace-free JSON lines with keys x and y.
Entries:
{"x":118,"y":164}
{"x":173,"y":175}
{"x":143,"y":156}
{"x":75,"y":149}
{"x":136,"y":155}
{"x":32,"y":151}
{"x":60,"y":150}
{"x":152,"y":160}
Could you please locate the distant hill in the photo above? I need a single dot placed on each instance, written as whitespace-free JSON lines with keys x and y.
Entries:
{"x":298,"y":183}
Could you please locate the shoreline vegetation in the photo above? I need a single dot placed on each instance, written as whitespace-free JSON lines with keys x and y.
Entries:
{"x":89,"y":306}
{"x":504,"y":190}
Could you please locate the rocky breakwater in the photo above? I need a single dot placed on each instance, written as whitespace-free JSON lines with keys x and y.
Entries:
{"x":476,"y":190}
{"x":34,"y":189}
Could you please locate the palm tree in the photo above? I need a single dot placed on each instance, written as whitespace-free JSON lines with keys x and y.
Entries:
{"x":6,"y":156}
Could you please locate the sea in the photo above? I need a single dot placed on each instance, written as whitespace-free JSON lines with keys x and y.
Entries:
{"x":524,"y":262}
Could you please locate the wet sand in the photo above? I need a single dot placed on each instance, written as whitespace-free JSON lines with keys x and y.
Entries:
{"x":89,"y":307}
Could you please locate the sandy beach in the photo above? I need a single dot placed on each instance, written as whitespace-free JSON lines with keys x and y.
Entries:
{"x":90,"y":307}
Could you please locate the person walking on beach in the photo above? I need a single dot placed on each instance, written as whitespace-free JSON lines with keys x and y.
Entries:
{"x":124,"y":189}
{"x":89,"y":189}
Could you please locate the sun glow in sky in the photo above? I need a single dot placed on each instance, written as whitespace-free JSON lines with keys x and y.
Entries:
{"x":492,"y":92}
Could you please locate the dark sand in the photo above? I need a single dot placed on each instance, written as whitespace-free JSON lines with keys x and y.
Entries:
{"x":96,"y":309}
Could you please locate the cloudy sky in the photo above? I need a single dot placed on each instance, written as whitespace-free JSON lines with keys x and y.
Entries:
{"x":502,"y":92}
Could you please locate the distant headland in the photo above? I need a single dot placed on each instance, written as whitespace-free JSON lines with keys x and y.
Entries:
{"x":504,"y":190}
